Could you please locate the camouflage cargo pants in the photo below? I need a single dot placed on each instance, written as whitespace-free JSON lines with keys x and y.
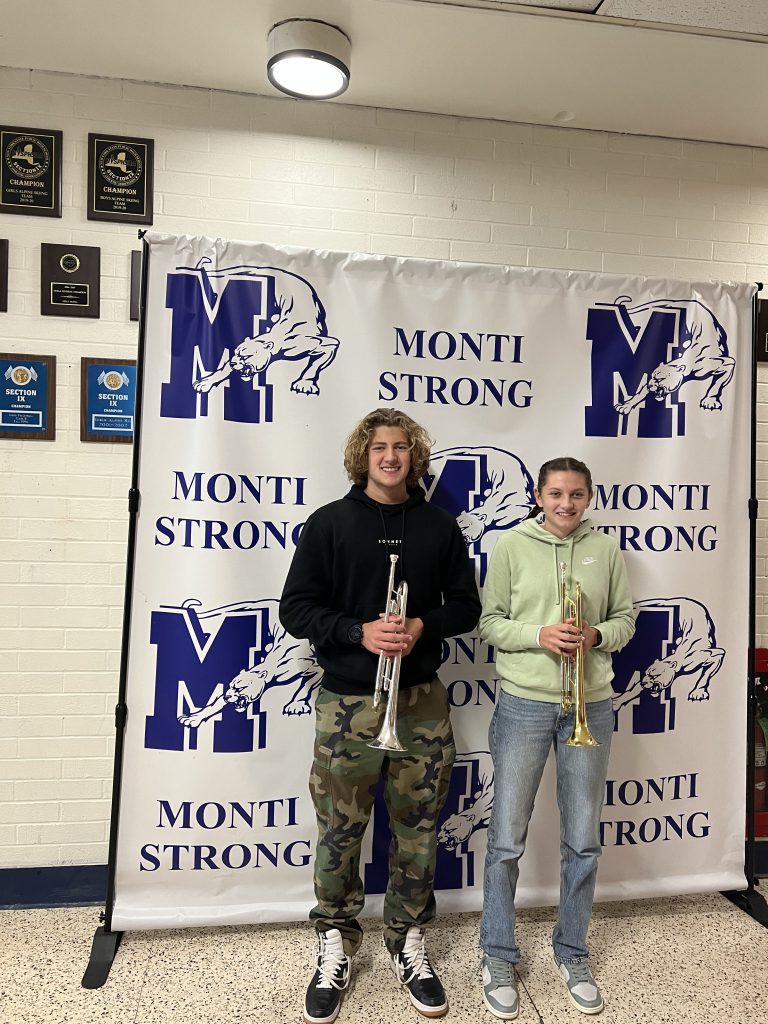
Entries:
{"x":343,"y":781}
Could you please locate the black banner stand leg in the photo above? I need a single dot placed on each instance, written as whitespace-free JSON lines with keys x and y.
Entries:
{"x":105,"y":941}
{"x":750,"y":900}
{"x":103,"y":953}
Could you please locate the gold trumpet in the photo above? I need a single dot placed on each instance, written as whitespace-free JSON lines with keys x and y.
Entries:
{"x":572,"y":668}
{"x":388,"y":671}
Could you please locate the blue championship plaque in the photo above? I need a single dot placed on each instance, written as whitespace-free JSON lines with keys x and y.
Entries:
{"x":27,"y":397}
{"x":107,"y":399}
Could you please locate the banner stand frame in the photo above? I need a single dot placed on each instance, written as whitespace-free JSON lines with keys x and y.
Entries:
{"x":750,"y":900}
{"x":105,"y":941}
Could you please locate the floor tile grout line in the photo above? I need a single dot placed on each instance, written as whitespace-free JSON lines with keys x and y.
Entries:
{"x":142,"y":984}
{"x":539,"y":1018}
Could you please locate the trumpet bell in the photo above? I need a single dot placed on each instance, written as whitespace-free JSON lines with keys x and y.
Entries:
{"x":387,"y":740}
{"x":582,"y":737}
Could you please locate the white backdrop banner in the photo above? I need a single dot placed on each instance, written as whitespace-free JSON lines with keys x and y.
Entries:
{"x":258,"y":361}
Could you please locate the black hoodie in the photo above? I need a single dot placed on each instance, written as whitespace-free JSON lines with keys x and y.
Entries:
{"x":339,"y":577}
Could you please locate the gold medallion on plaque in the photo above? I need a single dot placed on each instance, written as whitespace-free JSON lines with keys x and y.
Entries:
{"x":21,"y":376}
{"x":121,"y":165}
{"x":28,"y":156}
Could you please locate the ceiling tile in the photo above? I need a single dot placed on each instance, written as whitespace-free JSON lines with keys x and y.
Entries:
{"x":747,"y":16}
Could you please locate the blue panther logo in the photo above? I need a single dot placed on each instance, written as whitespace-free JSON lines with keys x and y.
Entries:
{"x":242,"y":643}
{"x":229,"y":326}
{"x":674,"y":643}
{"x":650,"y":351}
{"x":485,"y":488}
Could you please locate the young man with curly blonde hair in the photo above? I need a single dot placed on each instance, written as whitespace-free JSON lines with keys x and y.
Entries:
{"x":335,"y":595}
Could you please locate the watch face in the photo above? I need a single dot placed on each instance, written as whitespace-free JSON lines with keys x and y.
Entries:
{"x":355,"y":633}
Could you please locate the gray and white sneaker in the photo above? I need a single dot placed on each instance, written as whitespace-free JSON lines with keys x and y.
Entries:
{"x":582,"y":987}
{"x":500,"y":987}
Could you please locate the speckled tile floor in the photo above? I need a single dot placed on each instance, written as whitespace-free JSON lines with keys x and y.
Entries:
{"x":681,"y":960}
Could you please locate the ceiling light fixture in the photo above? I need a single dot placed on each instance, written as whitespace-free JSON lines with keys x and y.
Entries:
{"x":309,"y":59}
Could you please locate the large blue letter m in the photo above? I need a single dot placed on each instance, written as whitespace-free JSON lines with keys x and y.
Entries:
{"x":623,"y":357}
{"x":207,"y":327}
{"x":193,"y":668}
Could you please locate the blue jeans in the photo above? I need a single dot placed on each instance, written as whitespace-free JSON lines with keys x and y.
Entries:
{"x":521,"y":735}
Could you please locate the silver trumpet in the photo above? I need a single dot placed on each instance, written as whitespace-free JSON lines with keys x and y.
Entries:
{"x":388,"y":671}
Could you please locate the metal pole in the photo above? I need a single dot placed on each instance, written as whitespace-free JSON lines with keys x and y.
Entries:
{"x":105,"y":941}
{"x":750,"y":900}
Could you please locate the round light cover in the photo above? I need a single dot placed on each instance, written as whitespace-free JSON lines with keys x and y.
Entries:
{"x":308,"y":59}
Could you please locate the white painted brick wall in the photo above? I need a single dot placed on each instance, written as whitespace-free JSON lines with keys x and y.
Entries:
{"x":318,"y":175}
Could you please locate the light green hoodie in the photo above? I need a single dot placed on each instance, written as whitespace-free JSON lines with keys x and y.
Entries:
{"x":522,"y":593}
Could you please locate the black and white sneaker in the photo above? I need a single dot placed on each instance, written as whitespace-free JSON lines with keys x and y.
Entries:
{"x":323,"y":999}
{"x":416,"y":974}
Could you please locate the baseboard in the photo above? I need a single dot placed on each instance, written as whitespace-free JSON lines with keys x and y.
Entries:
{"x":61,"y":886}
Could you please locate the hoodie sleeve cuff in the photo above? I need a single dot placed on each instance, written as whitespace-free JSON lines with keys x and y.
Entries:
{"x":341,"y":632}
{"x":529,"y":635}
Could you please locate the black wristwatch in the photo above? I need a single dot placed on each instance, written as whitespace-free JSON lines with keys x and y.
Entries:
{"x":355,"y":633}
{"x":598,"y":639}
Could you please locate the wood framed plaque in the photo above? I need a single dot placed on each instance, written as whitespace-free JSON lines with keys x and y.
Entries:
{"x":30,"y":171}
{"x":3,"y":275}
{"x":107,"y":399}
{"x":762,"y":331}
{"x":27,"y":397}
{"x":120,"y":178}
{"x":70,"y":279}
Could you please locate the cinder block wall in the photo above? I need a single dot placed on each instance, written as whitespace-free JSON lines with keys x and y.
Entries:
{"x":317,"y":175}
